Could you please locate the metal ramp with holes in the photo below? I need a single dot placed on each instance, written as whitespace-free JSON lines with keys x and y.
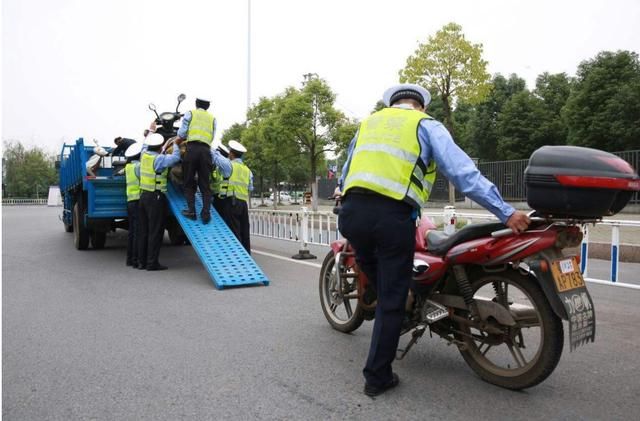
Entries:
{"x":227,"y":262}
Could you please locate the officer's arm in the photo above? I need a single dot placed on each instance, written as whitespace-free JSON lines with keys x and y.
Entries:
{"x":345,"y":167}
{"x":136,"y":169}
{"x":458,"y":168}
{"x":250,"y":181}
{"x":213,"y":133}
{"x":184,"y":127}
{"x":222,"y":163}
{"x":166,"y":161}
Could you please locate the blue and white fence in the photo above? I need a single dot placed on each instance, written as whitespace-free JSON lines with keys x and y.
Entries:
{"x":321,"y":228}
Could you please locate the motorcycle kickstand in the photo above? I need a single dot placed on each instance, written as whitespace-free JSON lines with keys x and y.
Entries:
{"x":415,"y":335}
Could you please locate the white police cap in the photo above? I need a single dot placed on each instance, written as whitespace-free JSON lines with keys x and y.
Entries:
{"x":236,"y":146}
{"x":406,"y":90}
{"x":223,"y":148}
{"x":154,"y":139}
{"x":133,"y":150}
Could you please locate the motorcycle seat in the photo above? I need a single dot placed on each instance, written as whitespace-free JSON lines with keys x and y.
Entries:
{"x":439,"y":243}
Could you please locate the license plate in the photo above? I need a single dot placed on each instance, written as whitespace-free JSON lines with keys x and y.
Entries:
{"x":566,"y":274}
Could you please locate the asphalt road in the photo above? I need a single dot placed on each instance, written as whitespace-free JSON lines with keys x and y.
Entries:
{"x":85,"y":337}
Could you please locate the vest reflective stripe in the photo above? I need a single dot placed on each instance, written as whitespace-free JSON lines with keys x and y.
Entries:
{"x":238,"y":182}
{"x":149,"y":179}
{"x":386,"y":157}
{"x":397,"y":152}
{"x":133,"y":182}
{"x":200,"y":127}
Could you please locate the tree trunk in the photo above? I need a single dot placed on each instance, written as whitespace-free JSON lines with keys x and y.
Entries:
{"x":448,"y":119}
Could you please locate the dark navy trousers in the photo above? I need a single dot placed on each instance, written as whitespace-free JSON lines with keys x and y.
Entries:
{"x":382,"y":232}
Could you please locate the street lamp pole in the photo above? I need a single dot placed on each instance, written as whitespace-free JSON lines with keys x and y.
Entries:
{"x":248,"y":54}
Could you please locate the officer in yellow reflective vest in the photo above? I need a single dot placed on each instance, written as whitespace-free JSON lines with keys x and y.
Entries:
{"x":217,"y":181}
{"x":133,"y":198}
{"x":235,"y":190}
{"x":387,"y":178}
{"x":198,"y":128}
{"x":153,"y":171}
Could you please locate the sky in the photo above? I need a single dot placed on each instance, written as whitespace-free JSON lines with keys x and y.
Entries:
{"x":89,"y":68}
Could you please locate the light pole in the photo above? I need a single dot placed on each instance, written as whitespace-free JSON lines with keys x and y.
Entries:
{"x":248,"y":54}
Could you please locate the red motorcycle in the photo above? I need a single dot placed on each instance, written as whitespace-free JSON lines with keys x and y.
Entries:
{"x":499,"y":297}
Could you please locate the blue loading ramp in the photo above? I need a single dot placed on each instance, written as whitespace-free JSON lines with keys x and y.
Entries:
{"x":227,"y":262}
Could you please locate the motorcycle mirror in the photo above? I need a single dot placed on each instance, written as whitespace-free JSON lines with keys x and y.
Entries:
{"x":181,"y":98}
{"x":152,"y":106}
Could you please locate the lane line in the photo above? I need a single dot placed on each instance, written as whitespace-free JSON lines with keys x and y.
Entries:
{"x":288,"y":259}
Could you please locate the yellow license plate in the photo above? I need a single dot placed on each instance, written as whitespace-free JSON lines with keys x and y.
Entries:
{"x":566,"y":274}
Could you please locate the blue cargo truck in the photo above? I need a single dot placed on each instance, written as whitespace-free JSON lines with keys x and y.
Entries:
{"x":95,"y":202}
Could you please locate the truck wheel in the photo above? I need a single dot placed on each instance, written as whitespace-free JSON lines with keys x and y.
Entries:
{"x":80,"y":232}
{"x":98,"y":239}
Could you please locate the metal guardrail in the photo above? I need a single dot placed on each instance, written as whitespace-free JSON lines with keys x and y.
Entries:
{"x":23,"y":202}
{"x":321,"y":228}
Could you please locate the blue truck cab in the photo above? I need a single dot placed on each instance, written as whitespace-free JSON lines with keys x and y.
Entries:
{"x":94,"y":203}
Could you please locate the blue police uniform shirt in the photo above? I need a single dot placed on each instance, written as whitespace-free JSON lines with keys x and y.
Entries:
{"x":224,"y":165}
{"x":162,"y":161}
{"x":184,"y":127}
{"x":436,"y":143}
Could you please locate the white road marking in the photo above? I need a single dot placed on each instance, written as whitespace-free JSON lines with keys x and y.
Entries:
{"x":288,"y":259}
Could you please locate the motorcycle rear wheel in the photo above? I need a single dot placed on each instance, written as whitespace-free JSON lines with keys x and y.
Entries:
{"x":506,"y":360}
{"x":343,"y":313}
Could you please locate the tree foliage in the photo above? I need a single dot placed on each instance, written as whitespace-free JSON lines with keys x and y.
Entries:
{"x":451,"y":67}
{"x":603,"y":109}
{"x":27,"y":172}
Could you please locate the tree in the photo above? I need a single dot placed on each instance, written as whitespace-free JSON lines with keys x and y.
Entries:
{"x":28,"y":172}
{"x":603,"y":109}
{"x":451,"y":67}
{"x":309,"y":115}
{"x":481,"y":131}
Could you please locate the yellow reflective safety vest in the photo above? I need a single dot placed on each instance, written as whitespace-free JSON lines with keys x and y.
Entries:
{"x":216,"y":183}
{"x":386,"y":157}
{"x":149,"y":179}
{"x":133,"y":182}
{"x":238,"y":183}
{"x":200,"y":127}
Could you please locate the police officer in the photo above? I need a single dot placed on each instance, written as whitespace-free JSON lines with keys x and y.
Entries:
{"x":133,"y":197}
{"x":153,"y":171}
{"x":198,"y":128}
{"x":122,"y":145}
{"x":238,"y":183}
{"x":386,"y":179}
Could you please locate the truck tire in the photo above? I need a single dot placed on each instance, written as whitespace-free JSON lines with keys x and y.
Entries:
{"x":68,"y":228}
{"x":80,"y":232}
{"x":98,"y":239}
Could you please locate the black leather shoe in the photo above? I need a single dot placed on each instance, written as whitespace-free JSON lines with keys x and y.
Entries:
{"x":130,"y":263}
{"x":205,"y":218}
{"x":189,"y":214}
{"x":157,"y":267}
{"x":142,"y":267}
{"x":373,"y":391}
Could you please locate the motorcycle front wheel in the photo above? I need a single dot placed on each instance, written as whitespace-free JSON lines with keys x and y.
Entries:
{"x":520,"y":356}
{"x":339,"y":299}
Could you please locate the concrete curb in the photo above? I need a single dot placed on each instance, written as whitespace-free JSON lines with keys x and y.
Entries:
{"x":627,"y":252}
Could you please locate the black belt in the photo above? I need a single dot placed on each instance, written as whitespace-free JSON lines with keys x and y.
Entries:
{"x":363,"y":191}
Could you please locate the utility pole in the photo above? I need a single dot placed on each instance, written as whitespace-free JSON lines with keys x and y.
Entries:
{"x":248,"y":54}
{"x":314,"y":183}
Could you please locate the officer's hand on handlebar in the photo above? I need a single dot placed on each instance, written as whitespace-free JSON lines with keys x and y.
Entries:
{"x":518,"y":222}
